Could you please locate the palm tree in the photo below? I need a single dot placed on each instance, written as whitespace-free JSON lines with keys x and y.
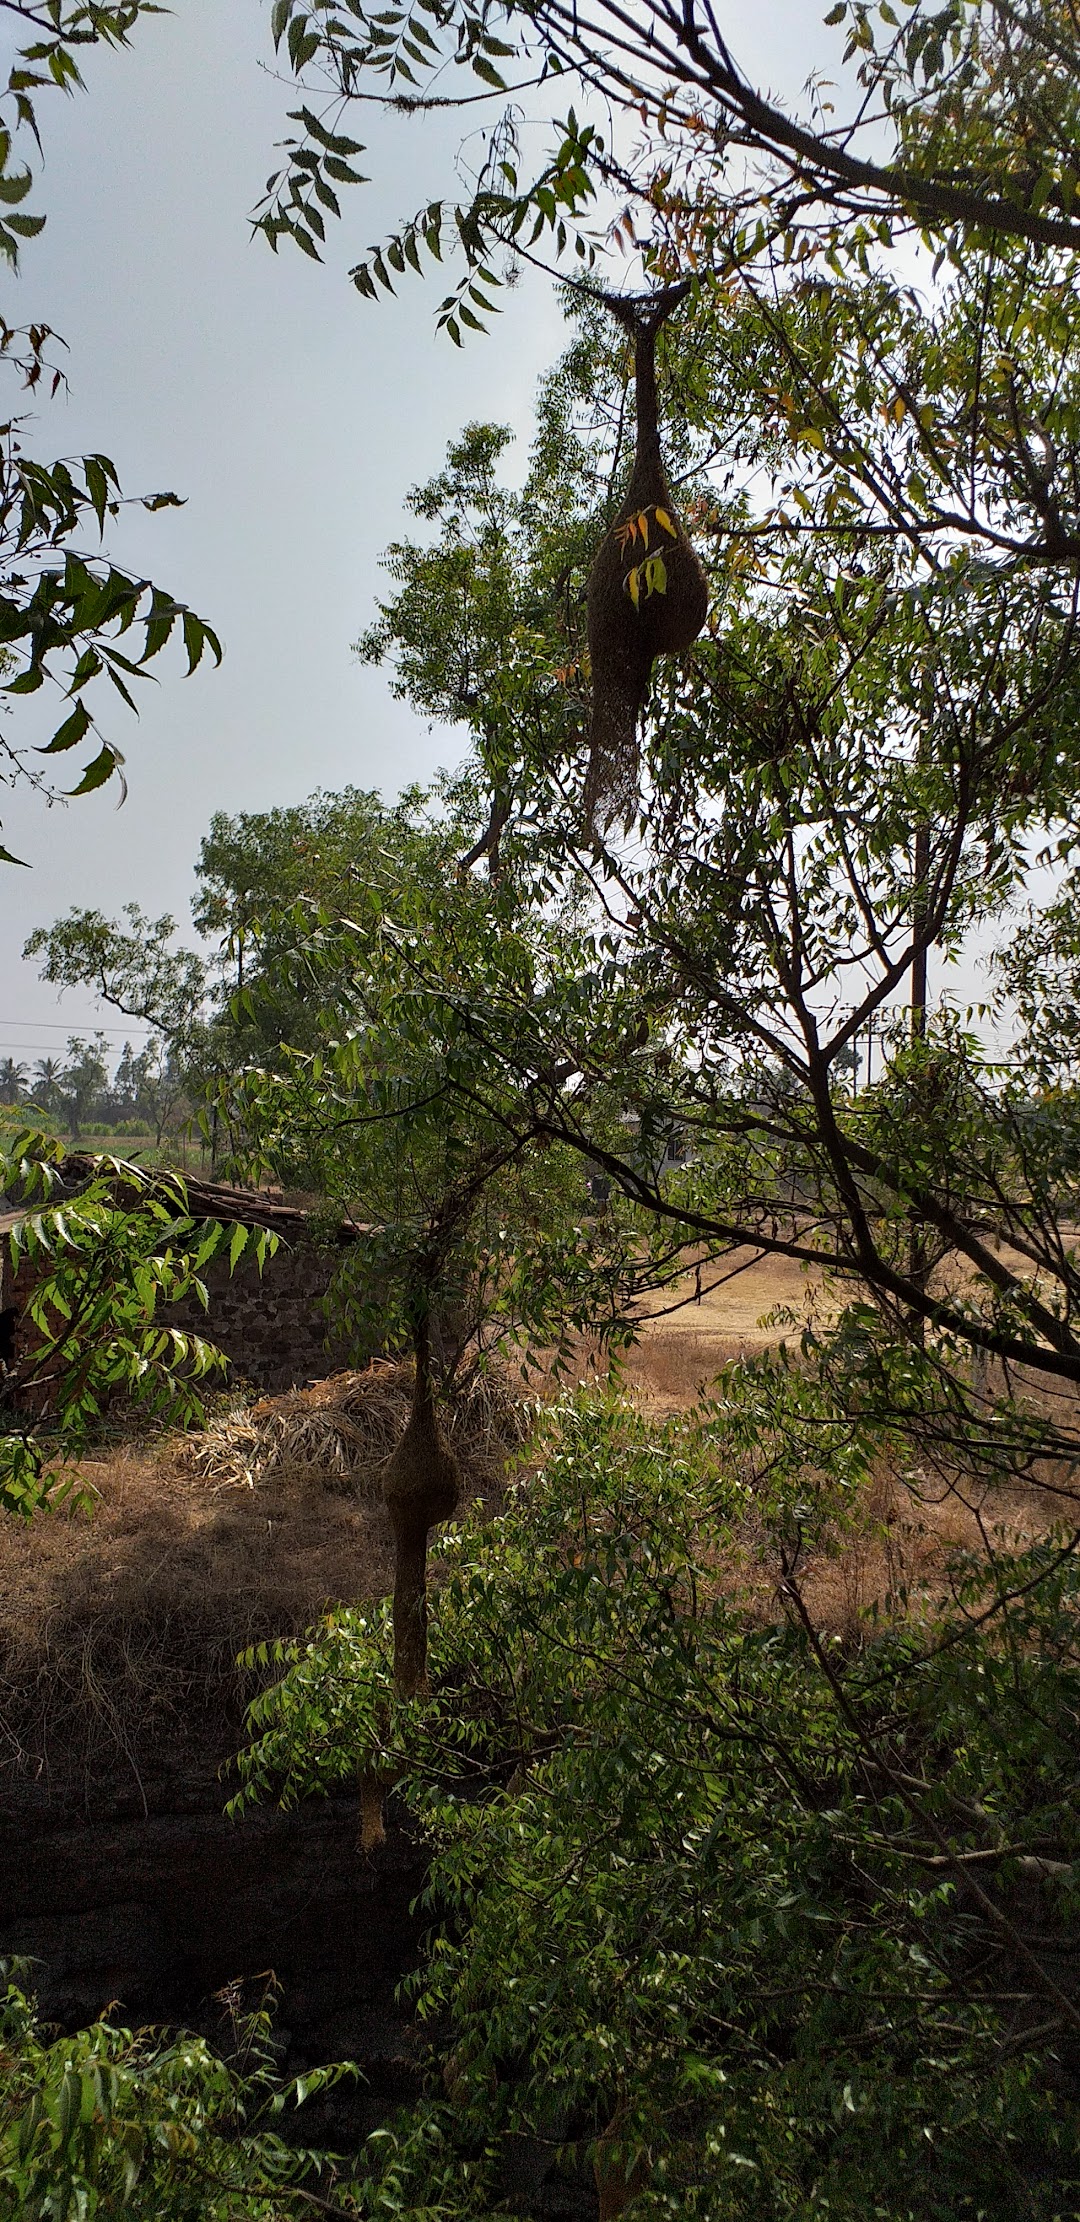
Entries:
{"x":12,"y":1080}
{"x":46,"y":1090}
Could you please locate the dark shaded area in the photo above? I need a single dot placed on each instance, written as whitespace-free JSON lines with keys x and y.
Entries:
{"x":9,"y":1320}
{"x":159,"y":1911}
{"x":155,"y":1913}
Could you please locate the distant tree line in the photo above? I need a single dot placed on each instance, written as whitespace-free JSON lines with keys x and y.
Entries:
{"x":90,"y":1090}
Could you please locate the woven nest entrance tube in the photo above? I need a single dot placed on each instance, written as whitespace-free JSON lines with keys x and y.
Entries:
{"x":420,"y":1486}
{"x":647,"y":593}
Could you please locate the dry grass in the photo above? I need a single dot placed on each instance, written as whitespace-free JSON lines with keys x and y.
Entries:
{"x":119,"y":1629}
{"x":684,"y":1345}
{"x":894,"y":1556}
{"x":344,"y":1429}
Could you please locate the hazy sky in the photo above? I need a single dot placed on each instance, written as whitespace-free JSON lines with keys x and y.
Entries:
{"x":291,"y":414}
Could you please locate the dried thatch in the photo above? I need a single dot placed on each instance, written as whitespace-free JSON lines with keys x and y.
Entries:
{"x":345,"y":1428}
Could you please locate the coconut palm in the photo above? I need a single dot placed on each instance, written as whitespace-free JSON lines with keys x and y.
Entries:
{"x":12,"y":1080}
{"x":46,"y":1088}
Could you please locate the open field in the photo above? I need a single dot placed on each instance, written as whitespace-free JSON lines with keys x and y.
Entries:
{"x":687,"y":1337}
{"x":182,"y":1153}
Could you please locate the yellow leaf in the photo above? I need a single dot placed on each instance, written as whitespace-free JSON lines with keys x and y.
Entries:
{"x":633,"y":584}
{"x":662,"y":518}
{"x":643,"y":526}
{"x":657,"y":575}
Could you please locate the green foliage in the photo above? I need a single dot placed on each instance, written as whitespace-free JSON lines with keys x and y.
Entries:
{"x":64,"y":623}
{"x":1038,"y":973}
{"x":256,"y":871}
{"x":133,"y":966}
{"x":393,"y":1114}
{"x":958,"y":123}
{"x":771,"y":1923}
{"x":105,"y":1262}
{"x":111,"y":2123}
{"x":253,"y":870}
{"x":851,"y":769}
{"x":68,"y":616}
{"x":790,"y":1913}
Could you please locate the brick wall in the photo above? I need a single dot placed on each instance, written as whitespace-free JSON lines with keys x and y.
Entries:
{"x":271,"y":1325}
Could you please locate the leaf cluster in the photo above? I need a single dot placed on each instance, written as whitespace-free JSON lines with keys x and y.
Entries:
{"x":111,"y":2122}
{"x":105,"y":1263}
{"x":783,"y":1912}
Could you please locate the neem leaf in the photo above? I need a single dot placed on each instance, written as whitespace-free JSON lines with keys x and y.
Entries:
{"x":193,"y":639}
{"x":303,"y":239}
{"x":97,"y":486}
{"x":95,"y":775}
{"x":14,"y":189}
{"x":69,"y":734}
{"x":335,"y":168}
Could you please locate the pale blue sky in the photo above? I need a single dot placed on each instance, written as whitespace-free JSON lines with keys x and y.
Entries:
{"x":291,"y":414}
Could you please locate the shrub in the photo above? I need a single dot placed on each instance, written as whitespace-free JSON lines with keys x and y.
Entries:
{"x":758,"y":1923}
{"x":144,"y":2125}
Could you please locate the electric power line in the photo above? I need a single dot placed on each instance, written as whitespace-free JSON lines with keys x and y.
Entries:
{"x":60,"y":1026}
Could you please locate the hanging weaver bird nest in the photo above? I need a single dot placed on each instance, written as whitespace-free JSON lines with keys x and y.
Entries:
{"x":647,"y":596}
{"x":421,"y":1486}
{"x":345,"y":1429}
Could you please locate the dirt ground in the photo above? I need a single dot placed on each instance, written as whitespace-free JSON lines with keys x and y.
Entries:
{"x":687,"y":1336}
{"x":120,"y":1626}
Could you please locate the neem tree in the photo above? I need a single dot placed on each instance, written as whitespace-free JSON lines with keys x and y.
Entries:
{"x":68,"y":616}
{"x":477,"y":1233}
{"x":684,"y":1926}
{"x":755,"y":1919}
{"x":726,"y":1890}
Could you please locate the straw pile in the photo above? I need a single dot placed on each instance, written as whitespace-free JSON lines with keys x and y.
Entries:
{"x":344,"y":1429}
